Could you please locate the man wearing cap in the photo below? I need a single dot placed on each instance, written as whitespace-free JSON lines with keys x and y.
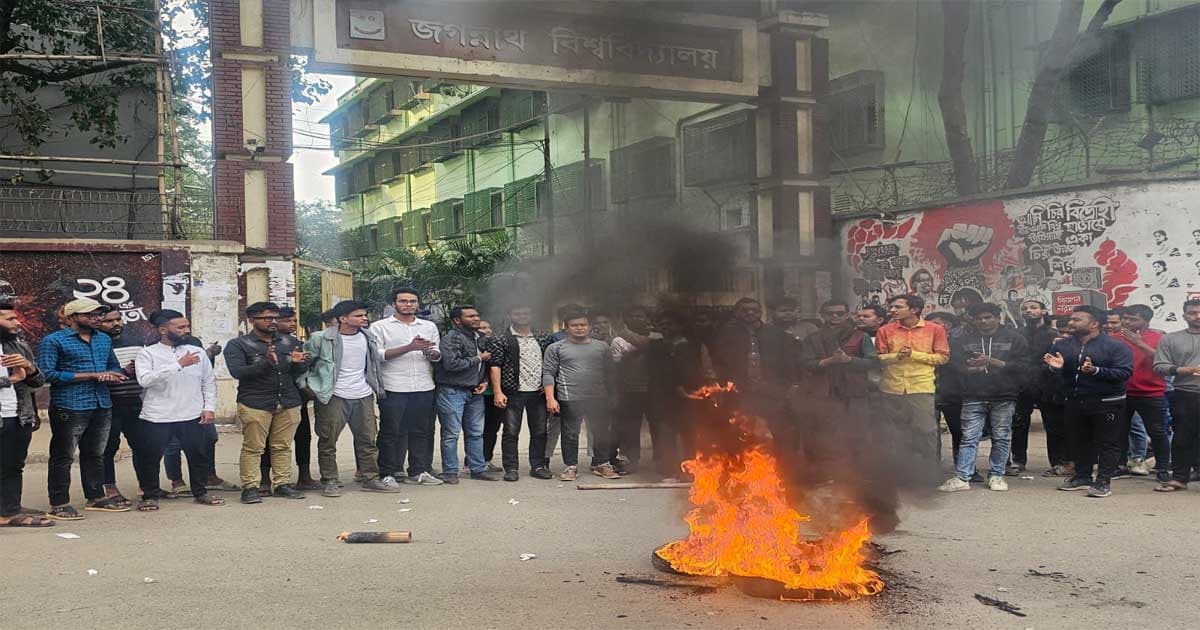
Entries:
{"x":79,"y":363}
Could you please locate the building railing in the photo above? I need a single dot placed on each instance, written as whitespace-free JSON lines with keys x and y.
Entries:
{"x":29,"y":212}
{"x":1082,"y":151}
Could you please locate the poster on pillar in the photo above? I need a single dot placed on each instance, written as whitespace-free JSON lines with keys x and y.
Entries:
{"x":41,"y":282}
{"x":1109,"y":247}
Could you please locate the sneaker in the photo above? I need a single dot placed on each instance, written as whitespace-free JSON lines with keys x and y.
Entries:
{"x":251,"y":496}
{"x":1099,"y":491}
{"x":331,"y":489}
{"x":426,"y":479}
{"x":387,"y":484}
{"x":997,"y":484}
{"x":450,"y":478}
{"x":1075,"y":484}
{"x":1122,"y":473}
{"x":1056,"y":471}
{"x":954,"y":484}
{"x":541,"y":472}
{"x":976,"y":477}
{"x":484,"y":476}
{"x":606,"y":471}
{"x":1163,"y":476}
{"x":1014,"y":470}
{"x":494,"y":468}
{"x":288,"y":492}
{"x":1137,"y":466}
{"x":511,"y":475}
{"x":569,"y":473}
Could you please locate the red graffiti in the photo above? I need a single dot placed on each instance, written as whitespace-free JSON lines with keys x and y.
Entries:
{"x":870,"y":231}
{"x":1120,"y":273}
{"x":976,"y":233}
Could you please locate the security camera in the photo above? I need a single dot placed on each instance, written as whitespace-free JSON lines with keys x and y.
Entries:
{"x":254,"y":148}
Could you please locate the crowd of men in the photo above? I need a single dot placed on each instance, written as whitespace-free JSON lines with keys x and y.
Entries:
{"x":1108,"y":387}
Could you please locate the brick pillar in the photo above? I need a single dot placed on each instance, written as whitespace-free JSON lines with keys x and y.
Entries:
{"x":252,"y":122}
{"x":793,"y":197}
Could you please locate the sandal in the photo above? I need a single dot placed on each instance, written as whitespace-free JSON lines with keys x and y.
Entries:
{"x":29,"y":520}
{"x":107,"y":504}
{"x":64,"y":513}
{"x":147,"y":505}
{"x":205,"y":499}
{"x":120,"y":501}
{"x":1171,"y":486}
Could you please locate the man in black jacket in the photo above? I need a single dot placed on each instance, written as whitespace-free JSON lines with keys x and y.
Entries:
{"x":990,"y":362}
{"x":19,"y":376}
{"x":461,"y":379}
{"x":1093,"y":369}
{"x":516,"y":376}
{"x":1039,"y":335}
{"x":762,"y":361}
{"x":266,"y":365}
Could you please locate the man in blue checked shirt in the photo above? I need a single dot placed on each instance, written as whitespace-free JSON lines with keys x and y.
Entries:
{"x":79,"y":363}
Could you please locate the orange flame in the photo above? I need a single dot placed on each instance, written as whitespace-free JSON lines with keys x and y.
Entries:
{"x":742,"y":525}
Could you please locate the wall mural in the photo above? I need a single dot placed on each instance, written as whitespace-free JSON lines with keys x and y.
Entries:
{"x":43,"y":281}
{"x":1105,"y":247}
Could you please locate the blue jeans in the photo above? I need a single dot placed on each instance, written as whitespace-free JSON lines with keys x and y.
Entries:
{"x":975,"y":414}
{"x":460,"y":411}
{"x":1139,"y":440}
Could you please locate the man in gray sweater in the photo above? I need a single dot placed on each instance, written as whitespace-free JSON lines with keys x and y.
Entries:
{"x":1178,"y":355}
{"x":575,"y":378}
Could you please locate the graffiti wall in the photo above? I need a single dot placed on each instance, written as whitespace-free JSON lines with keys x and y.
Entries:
{"x":1107,"y":247}
{"x":43,"y":281}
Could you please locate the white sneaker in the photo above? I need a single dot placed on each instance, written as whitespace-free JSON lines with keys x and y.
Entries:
{"x":954,"y":484}
{"x":426,"y":479}
{"x":997,"y":483}
{"x":1138,"y":466}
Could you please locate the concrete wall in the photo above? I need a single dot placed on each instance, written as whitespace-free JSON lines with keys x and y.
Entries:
{"x":1116,"y":245}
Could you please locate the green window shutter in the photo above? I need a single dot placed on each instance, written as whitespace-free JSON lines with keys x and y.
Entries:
{"x":387,"y":233}
{"x":521,"y":201}
{"x":442,"y":224}
{"x":413,"y":226}
{"x":478,"y":206}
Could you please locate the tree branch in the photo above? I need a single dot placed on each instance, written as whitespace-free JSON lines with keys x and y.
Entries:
{"x":956,"y":17}
{"x":1102,"y":14}
{"x":1041,"y":97}
{"x":7,"y":7}
{"x":58,"y":76}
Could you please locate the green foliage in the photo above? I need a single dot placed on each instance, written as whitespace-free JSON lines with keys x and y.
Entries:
{"x":449,"y":273}
{"x":317,"y":232}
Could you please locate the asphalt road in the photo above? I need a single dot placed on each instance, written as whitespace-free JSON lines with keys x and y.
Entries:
{"x":1127,"y":561}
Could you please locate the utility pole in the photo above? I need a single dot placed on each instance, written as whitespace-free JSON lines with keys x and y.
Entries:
{"x":547,"y":173}
{"x":589,"y":239}
{"x":160,"y":90}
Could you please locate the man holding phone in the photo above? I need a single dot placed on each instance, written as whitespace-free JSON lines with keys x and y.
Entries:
{"x":406,"y":421}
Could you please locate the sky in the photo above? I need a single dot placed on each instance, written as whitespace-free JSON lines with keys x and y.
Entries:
{"x":312,"y":156}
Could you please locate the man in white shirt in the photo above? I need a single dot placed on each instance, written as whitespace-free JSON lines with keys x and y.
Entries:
{"x":409,"y":347}
{"x":180,"y":396}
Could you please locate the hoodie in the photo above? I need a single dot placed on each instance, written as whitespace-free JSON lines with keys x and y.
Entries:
{"x":997,"y":383}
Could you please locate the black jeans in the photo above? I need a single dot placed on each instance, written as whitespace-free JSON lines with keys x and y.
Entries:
{"x":595,"y":412}
{"x":664,"y":415}
{"x":1094,"y":428}
{"x":152,"y":442}
{"x":1058,"y":451}
{"x":627,"y":425}
{"x":86,"y":431}
{"x":14,"y":448}
{"x":493,"y":421}
{"x":173,"y":464}
{"x":1154,"y":417}
{"x":126,"y":414}
{"x":406,"y":429}
{"x":1020,"y":429}
{"x":952,"y":412}
{"x":303,"y":448}
{"x":520,"y":405}
{"x":1185,"y":421}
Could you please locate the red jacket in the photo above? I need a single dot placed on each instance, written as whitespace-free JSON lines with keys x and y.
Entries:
{"x":1145,"y":383}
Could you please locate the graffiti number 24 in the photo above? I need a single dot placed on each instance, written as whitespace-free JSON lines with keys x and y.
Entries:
{"x":111,"y":290}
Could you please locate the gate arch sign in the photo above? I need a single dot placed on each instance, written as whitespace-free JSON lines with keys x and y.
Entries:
{"x":669,"y":55}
